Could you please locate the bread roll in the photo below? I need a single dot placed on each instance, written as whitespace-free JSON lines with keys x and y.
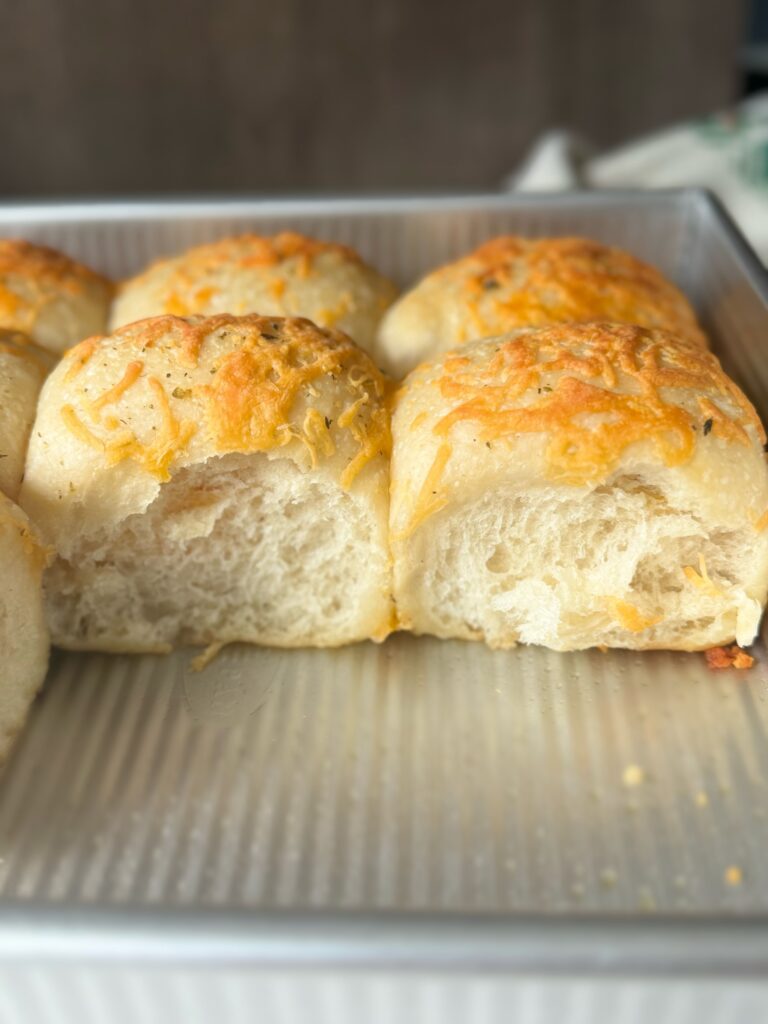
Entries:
{"x":212,"y":480}
{"x":23,"y":634}
{"x":575,"y":486}
{"x":287,"y":275}
{"x":517,"y":282}
{"x":23,"y":367}
{"x":50,"y":297}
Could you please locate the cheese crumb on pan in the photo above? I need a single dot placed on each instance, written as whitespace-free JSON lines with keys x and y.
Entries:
{"x":733,"y":875}
{"x":633,"y":775}
{"x":728,"y":657}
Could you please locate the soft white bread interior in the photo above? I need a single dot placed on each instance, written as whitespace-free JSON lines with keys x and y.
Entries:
{"x":513,"y":282}
{"x":576,"y":486}
{"x":50,"y":297}
{"x":287,"y":275}
{"x":23,"y":368}
{"x":208,"y":480}
{"x":23,"y":634}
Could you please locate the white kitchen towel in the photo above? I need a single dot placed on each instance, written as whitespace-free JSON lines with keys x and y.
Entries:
{"x":727,"y":152}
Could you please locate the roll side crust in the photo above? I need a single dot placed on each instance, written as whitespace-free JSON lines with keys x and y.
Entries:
{"x":23,"y":633}
{"x":23,"y":368}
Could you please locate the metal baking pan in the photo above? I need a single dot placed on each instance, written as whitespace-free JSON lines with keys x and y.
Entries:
{"x":421,"y":830}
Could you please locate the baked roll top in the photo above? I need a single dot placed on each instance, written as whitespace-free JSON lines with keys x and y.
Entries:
{"x":50,"y":297}
{"x":579,"y":485}
{"x":23,"y":634}
{"x":287,"y":275}
{"x":214,"y":479}
{"x":23,"y":368}
{"x":515,"y":282}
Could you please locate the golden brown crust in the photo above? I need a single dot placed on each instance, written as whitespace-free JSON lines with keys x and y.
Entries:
{"x":15,"y":343}
{"x":513,"y":282}
{"x":249,"y":394}
{"x":45,"y":264}
{"x":612,"y":385}
{"x":14,"y":520}
{"x":242,"y":251}
{"x":42,"y":271}
{"x":13,"y":340}
{"x":588,"y":390}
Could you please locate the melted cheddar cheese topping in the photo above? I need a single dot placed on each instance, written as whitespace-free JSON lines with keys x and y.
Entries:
{"x":590,"y":390}
{"x":30,"y":275}
{"x":245,"y":376}
{"x":12,"y":519}
{"x":514,"y":282}
{"x":20,"y":346}
{"x":631,"y":618}
{"x":595,"y":390}
{"x":192,"y":282}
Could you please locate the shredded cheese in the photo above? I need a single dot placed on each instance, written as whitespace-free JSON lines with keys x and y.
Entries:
{"x":76,"y":427}
{"x":175,"y":305}
{"x":514,"y":282}
{"x":318,"y":435}
{"x":78,"y":357}
{"x":254,"y":389}
{"x":19,"y":346}
{"x":191,"y":282}
{"x":701,"y":579}
{"x":277,"y":288}
{"x":254,"y":395}
{"x":204,"y":659}
{"x":10,"y":304}
{"x":429,"y":499}
{"x":589,"y":424}
{"x":113,"y":394}
{"x":630,"y":618}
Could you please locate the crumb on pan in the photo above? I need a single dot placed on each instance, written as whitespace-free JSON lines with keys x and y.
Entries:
{"x":733,"y":875}
{"x":728,"y":657}
{"x":633,"y":775}
{"x":204,"y":658}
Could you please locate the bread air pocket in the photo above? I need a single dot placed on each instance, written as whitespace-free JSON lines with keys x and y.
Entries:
{"x":208,"y":480}
{"x":579,"y":485}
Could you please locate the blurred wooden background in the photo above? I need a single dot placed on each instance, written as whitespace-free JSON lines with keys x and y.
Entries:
{"x":303,"y":95}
